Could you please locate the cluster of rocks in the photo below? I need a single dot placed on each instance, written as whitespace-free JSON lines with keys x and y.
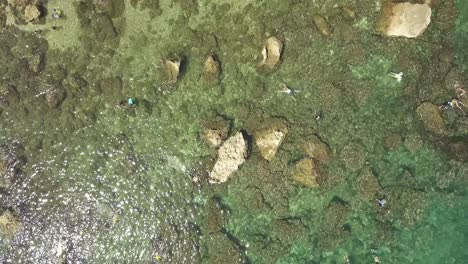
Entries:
{"x":234,"y":151}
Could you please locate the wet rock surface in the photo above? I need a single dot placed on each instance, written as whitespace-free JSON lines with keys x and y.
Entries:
{"x":10,"y":223}
{"x":316,"y":149}
{"x":270,"y":138}
{"x":215,"y":131}
{"x":172,"y":68}
{"x":212,"y":68}
{"x":322,"y":25}
{"x":404,"y":19}
{"x":306,"y":173}
{"x":271,"y":52}
{"x":430,"y":116}
{"x":223,"y":250}
{"x":9,"y":165}
{"x":231,"y":155}
{"x":334,"y":226}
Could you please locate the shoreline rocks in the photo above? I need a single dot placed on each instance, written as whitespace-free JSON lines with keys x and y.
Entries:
{"x":231,"y":155}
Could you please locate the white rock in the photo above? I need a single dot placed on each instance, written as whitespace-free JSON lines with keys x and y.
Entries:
{"x":231,"y":155}
{"x":404,"y":19}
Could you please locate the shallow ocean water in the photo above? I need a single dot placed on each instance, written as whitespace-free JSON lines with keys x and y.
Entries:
{"x":97,"y":183}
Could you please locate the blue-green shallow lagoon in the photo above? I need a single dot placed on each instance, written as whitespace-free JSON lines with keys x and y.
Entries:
{"x":86,"y":181}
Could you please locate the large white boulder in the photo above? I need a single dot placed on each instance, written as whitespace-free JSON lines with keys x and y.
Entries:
{"x":404,"y":19}
{"x":231,"y":155}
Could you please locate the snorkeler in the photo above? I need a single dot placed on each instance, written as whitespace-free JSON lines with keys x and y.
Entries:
{"x":129,"y":103}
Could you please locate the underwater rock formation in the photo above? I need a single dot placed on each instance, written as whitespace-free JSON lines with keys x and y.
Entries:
{"x":305,"y":173}
{"x":9,"y":224}
{"x":404,"y":19}
{"x":231,"y":155}
{"x":271,"y":52}
{"x":31,"y":13}
{"x":172,"y":68}
{"x":26,"y":10}
{"x":334,"y":228}
{"x":212,"y":68}
{"x":8,"y":164}
{"x":270,"y":138}
{"x":114,"y":8}
{"x":431,"y":118}
{"x":222,"y":250}
{"x":215,"y":131}
{"x":322,"y":26}
{"x":316,"y":149}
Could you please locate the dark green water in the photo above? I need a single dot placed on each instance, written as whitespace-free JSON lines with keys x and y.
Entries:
{"x":95,"y":183}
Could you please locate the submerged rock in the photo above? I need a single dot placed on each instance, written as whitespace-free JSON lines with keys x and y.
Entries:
{"x":404,"y":19}
{"x":9,"y":224}
{"x":114,"y":8}
{"x":270,"y":138}
{"x":322,"y":25}
{"x":55,"y":97}
{"x":271,"y":52}
{"x":334,"y":229}
{"x":8,"y":166}
{"x":172,"y":68}
{"x":353,"y":155}
{"x":431,"y":118}
{"x":222,"y":250}
{"x":215,"y":131}
{"x":348,"y":13}
{"x":305,"y":173}
{"x":316,"y":149}
{"x":212,"y":68}
{"x":31,"y":13}
{"x":231,"y":155}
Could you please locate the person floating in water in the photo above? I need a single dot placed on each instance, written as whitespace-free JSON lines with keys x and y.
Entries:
{"x":57,"y":13}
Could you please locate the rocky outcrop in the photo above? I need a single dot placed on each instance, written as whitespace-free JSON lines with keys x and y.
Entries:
{"x":270,"y":138}
{"x":9,"y":224}
{"x":172,"y":68}
{"x":212,"y":68}
{"x":31,"y":13}
{"x":215,"y":131}
{"x":113,"y":8}
{"x":305,"y":172}
{"x":271,"y":53}
{"x":231,"y":155}
{"x":8,"y":166}
{"x":316,"y":149}
{"x":431,"y":118}
{"x":404,"y":19}
{"x":322,"y":26}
